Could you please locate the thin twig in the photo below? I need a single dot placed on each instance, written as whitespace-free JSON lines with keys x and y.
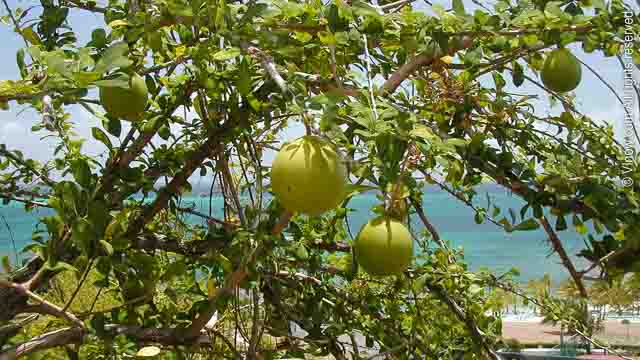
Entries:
{"x":15,"y":22}
{"x":367,"y":58}
{"x":79,"y":5}
{"x":80,"y":283}
{"x":606,"y":83}
{"x":13,"y":240}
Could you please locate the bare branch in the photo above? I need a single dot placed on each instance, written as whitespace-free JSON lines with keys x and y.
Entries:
{"x":414,"y":64}
{"x":300,"y":276}
{"x":43,"y":306}
{"x":6,"y":153}
{"x":66,"y":336}
{"x":267,"y":64}
{"x":566,"y":261}
{"x":88,"y":7}
{"x":45,"y":341}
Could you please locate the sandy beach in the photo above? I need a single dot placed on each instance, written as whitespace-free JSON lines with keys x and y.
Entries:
{"x":532,"y":331}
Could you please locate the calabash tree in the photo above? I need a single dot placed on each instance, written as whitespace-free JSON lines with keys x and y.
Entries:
{"x":403,"y":94}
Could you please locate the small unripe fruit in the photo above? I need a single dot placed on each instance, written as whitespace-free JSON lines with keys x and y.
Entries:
{"x":562,"y":72}
{"x":384,"y":246}
{"x":127,"y":104}
{"x":308,"y":176}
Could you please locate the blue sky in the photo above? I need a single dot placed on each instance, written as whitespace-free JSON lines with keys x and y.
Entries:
{"x":593,"y":97}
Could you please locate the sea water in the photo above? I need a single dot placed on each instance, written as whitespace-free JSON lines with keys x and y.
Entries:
{"x":485,"y":246}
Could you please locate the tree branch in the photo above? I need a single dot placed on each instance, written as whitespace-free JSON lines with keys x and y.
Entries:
{"x":79,"y":5}
{"x":475,"y":332}
{"x":267,"y":64}
{"x":414,"y":64}
{"x":566,"y":261}
{"x":45,"y":341}
{"x":66,"y":336}
{"x":43,"y":306}
{"x":18,"y":161}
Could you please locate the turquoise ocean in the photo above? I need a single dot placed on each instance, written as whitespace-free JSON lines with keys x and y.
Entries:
{"x":485,"y":245}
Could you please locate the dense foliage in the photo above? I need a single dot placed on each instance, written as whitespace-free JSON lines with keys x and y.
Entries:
{"x":410,"y":95}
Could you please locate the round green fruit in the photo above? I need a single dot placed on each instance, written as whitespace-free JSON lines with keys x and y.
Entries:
{"x":127,"y":104}
{"x":384,"y":246}
{"x":562,"y":72}
{"x":308,"y":176}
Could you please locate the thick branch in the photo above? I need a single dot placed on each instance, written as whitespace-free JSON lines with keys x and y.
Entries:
{"x":432,"y":230}
{"x":45,"y":341}
{"x":179,"y":180}
{"x":43,"y":306}
{"x":414,"y":64}
{"x":67,"y":336}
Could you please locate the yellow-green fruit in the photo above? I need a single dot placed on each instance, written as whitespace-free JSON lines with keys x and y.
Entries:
{"x":308,"y":176}
{"x":127,"y":104}
{"x":384,"y":246}
{"x":562,"y":71}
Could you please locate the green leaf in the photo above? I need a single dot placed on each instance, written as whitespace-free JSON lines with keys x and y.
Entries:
{"x":354,"y":189}
{"x":561,"y":223}
{"x":21,"y":64}
{"x":363,"y":8}
{"x":333,"y":17}
{"x":301,"y":252}
{"x":99,"y":38}
{"x":83,"y":235}
{"x":6,"y":264}
{"x":100,"y":135}
{"x":517,"y":74}
{"x":31,"y":36}
{"x":244,"y":78}
{"x":117,"y":80}
{"x":423,"y":132}
{"x":56,"y":64}
{"x":117,"y":23}
{"x":85,"y":78}
{"x":62,"y":266}
{"x":456,"y":142}
{"x":152,"y":124}
{"x":82,"y":173}
{"x":112,"y":125}
{"x":225,"y":263}
{"x":513,"y":215}
{"x":327,"y":38}
{"x":527,"y":225}
{"x":226,"y":54}
{"x":108,"y":249}
{"x":114,"y":57}
{"x":458,"y":7}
